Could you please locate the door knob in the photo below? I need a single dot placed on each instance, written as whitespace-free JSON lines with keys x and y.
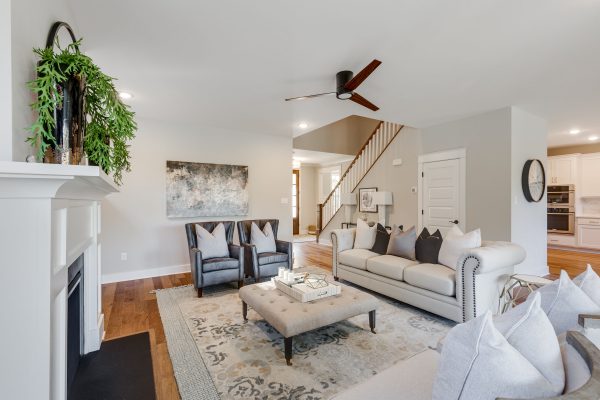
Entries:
{"x":455,"y":222}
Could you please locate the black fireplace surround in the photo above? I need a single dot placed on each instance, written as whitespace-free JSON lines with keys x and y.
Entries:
{"x":74,"y":319}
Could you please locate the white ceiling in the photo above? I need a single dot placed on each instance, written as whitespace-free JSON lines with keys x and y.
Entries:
{"x":231,"y":63}
{"x":320,"y":158}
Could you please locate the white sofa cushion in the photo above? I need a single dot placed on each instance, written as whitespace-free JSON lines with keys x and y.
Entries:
{"x":563,"y":301}
{"x":455,"y":244}
{"x":478,"y":363}
{"x":365,"y":235}
{"x":435,"y":277}
{"x":542,"y":350}
{"x":410,"y":379}
{"x":589,"y":282}
{"x":356,"y":258}
{"x":389,"y":266}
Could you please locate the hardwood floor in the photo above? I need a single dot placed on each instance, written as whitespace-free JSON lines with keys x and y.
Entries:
{"x":130,"y":307}
{"x":574,"y":262}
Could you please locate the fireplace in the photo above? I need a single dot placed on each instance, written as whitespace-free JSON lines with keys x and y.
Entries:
{"x":75,"y":313}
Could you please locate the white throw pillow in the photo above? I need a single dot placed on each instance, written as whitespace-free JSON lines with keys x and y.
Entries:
{"x":365,"y":235}
{"x":212,"y":245}
{"x":455,"y":244}
{"x":563,"y":301}
{"x":589,"y":282}
{"x":478,"y":363}
{"x":263,"y":240}
{"x":541,"y":349}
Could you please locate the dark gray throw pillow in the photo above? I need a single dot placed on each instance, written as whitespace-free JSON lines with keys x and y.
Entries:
{"x":382,"y":239}
{"x":402,"y":244}
{"x":428,"y":246}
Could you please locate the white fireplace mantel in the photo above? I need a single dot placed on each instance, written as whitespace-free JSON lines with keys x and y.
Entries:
{"x":49,"y":216}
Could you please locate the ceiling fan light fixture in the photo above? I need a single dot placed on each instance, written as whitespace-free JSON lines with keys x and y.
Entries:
{"x":344,"y":96}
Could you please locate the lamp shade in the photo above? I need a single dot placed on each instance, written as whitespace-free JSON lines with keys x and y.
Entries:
{"x":382,"y":198}
{"x":348,"y":199}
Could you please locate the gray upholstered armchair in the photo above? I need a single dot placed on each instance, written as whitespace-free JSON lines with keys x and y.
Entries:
{"x":214,"y":271}
{"x":264,"y":264}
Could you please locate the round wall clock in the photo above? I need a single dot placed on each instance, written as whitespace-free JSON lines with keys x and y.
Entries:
{"x":533,"y":180}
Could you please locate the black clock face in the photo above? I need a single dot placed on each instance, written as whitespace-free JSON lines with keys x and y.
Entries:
{"x":533,"y":180}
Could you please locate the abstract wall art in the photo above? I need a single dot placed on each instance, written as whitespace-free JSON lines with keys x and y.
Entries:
{"x":206,"y":190}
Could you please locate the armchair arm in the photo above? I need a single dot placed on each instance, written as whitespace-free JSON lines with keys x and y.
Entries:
{"x":287,"y":248}
{"x":341,"y":239}
{"x":236,"y":251}
{"x":250,"y":260}
{"x":481,"y":274}
{"x":196,"y":266}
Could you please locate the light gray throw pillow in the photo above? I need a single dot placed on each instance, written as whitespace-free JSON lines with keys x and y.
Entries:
{"x":478,"y":363}
{"x":589,"y":282}
{"x":263,"y":240}
{"x":563,"y":301}
{"x":212,"y":244}
{"x":402,"y":244}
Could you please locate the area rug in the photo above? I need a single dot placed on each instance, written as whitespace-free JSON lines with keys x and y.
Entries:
{"x":216,"y":355}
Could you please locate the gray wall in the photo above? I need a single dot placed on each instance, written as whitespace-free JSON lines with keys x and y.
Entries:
{"x":345,"y":136}
{"x":486,"y":138}
{"x":5,"y":83}
{"x":134,"y":221}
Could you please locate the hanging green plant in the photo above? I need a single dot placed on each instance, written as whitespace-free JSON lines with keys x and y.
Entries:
{"x":110,"y":123}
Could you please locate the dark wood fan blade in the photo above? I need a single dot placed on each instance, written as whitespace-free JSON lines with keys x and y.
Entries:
{"x":310,"y":96}
{"x":358,"y":99}
{"x":362,"y":75}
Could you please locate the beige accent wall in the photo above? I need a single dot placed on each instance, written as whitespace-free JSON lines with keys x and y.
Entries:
{"x":581,"y":148}
{"x":346,"y":136}
{"x":134,"y":221}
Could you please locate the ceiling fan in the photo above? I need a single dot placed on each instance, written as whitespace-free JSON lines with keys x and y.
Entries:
{"x":347,"y":82}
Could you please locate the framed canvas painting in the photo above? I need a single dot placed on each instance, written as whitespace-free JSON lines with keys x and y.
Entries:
{"x":206,"y":190}
{"x":365,"y":200}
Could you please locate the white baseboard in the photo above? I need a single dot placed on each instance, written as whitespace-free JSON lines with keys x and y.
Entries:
{"x":145,"y":273}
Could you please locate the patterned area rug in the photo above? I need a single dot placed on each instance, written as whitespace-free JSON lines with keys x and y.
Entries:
{"x":221,"y":357}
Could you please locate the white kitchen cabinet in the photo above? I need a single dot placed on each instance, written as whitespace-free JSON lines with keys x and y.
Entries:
{"x":562,"y":170}
{"x":588,"y":232}
{"x":590,"y":175}
{"x":555,"y":239}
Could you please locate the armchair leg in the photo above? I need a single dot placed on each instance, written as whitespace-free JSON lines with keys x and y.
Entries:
{"x":335,"y":278}
{"x":199,"y":292}
{"x":240,"y":284}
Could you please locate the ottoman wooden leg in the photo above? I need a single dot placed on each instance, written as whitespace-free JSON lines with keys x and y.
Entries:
{"x":288,"y":349}
{"x":245,"y":310}
{"x":372,"y":321}
{"x":199,"y":292}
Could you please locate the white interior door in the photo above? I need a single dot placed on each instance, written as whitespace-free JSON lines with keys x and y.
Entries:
{"x":441,"y":199}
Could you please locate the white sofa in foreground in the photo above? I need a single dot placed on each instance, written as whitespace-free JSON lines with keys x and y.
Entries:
{"x":459,"y":295}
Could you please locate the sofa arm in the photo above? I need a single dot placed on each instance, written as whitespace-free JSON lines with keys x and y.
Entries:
{"x":286,"y":247}
{"x":237,"y":252}
{"x":250,"y":260}
{"x":196,"y":266}
{"x":341,"y":239}
{"x":481,"y":274}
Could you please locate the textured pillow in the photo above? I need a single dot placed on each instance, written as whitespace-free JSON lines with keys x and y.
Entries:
{"x":382,"y":238}
{"x":402,"y":244}
{"x":263,"y":240}
{"x":478,"y":363}
{"x":365,"y":235}
{"x":212,"y":245}
{"x":563,"y":301}
{"x":541,"y":349}
{"x":427,"y":247}
{"x":455,"y":244}
{"x":589,"y":282}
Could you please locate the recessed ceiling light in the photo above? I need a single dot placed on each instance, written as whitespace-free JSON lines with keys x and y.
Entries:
{"x":593,"y":138}
{"x":125,"y":95}
{"x":575,"y":131}
{"x":302,"y":125}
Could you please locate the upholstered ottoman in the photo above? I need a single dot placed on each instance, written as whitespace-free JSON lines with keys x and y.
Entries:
{"x":291,"y":317}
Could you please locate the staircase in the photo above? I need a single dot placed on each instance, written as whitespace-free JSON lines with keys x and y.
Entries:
{"x":368,"y":155}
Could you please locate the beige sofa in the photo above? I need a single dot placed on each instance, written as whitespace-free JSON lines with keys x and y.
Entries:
{"x":459,"y":295}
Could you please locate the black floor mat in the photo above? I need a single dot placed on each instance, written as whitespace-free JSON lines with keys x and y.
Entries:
{"x":120,"y":370}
